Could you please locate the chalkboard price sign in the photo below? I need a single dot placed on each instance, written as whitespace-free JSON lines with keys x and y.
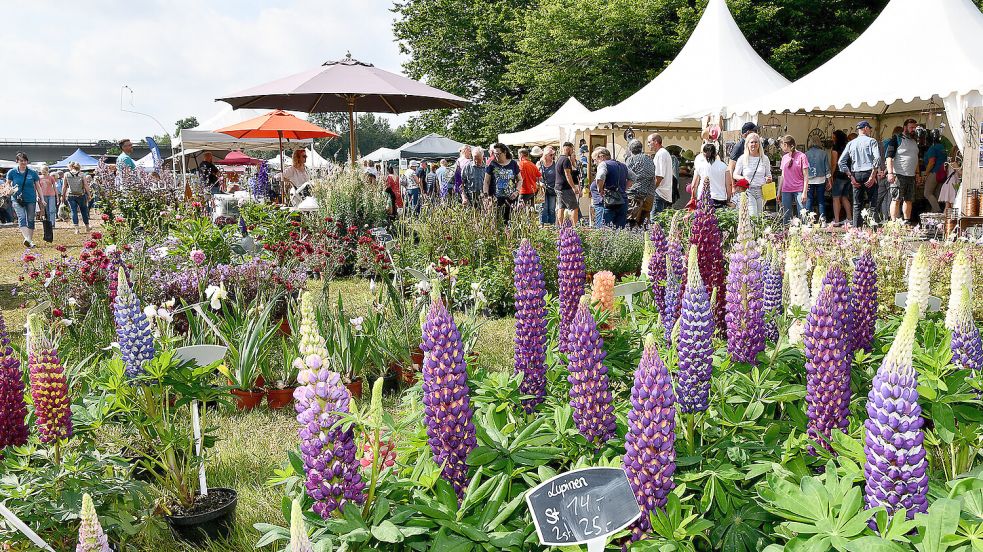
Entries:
{"x":582,"y":506}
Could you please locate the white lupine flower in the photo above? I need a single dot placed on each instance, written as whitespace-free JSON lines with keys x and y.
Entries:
{"x":919,"y":282}
{"x":961,"y":278}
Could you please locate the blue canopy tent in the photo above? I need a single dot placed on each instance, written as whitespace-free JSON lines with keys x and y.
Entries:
{"x":84,"y":159}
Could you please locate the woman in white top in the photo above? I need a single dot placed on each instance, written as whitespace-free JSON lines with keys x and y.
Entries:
{"x":713,"y":171}
{"x":296,"y":174}
{"x":755,"y":167}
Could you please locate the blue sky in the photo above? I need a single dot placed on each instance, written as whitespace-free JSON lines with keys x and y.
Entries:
{"x":65,"y":62}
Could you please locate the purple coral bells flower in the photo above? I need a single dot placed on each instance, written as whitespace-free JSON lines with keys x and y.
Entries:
{"x":829,"y":354}
{"x":745,"y":294}
{"x":572,"y":275}
{"x":91,"y":536}
{"x":865,"y":295}
{"x":773,"y":276}
{"x":657,"y":265}
{"x":590,"y":397}
{"x":49,"y":388}
{"x":695,"y":342}
{"x":198,"y":257}
{"x":13,"y":411}
{"x":328,"y":450}
{"x":896,"y":472}
{"x":530,"y":325}
{"x":706,"y":236}
{"x":446,"y":397}
{"x":650,"y":453}
{"x":136,"y":340}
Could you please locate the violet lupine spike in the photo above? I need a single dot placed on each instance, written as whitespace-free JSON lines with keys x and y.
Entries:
{"x":590,"y":397}
{"x":446,"y":397}
{"x":773,"y":295}
{"x":967,"y":349}
{"x":745,"y":293}
{"x":530,"y":325}
{"x":673,"y":301}
{"x":865,"y":301}
{"x":650,"y":453}
{"x":572,"y":276}
{"x":49,"y":387}
{"x":91,"y":536}
{"x":829,"y":355}
{"x":675,"y":253}
{"x":708,"y":239}
{"x":896,"y":471}
{"x":13,"y":411}
{"x":133,"y":332}
{"x":328,"y":451}
{"x":695,"y":347}
{"x":657,"y":265}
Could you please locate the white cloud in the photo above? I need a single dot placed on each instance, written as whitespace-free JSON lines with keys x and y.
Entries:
{"x":65,"y":62}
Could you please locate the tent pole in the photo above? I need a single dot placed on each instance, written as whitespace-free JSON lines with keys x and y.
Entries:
{"x":351,"y":128}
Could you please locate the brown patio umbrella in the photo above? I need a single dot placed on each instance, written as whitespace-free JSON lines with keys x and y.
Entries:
{"x":346,"y":85}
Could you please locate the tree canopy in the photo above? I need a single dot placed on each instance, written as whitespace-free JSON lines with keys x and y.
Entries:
{"x":373,"y":132}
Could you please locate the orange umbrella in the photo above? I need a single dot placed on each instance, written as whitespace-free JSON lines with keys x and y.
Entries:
{"x":277,"y":124}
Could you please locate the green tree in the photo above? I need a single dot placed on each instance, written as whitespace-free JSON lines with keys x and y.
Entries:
{"x":187,"y":122}
{"x":373,"y":132}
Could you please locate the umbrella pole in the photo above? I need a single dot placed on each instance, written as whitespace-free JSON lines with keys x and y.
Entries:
{"x":283,"y":181}
{"x":351,"y":128}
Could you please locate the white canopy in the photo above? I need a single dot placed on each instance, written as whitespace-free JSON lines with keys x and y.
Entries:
{"x":146,"y":162}
{"x":382,"y":154}
{"x":716,"y":68}
{"x":548,"y":131}
{"x":4,"y":164}
{"x":314,"y":161}
{"x":216,"y":141}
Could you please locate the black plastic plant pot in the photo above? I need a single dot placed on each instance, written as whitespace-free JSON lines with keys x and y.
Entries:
{"x":213,"y":522}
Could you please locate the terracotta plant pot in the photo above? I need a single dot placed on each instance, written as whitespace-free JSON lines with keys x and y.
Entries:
{"x":248,"y":400}
{"x":417,"y":357}
{"x":405,"y":374}
{"x":355,"y":388}
{"x":279,"y":398}
{"x":285,"y":327}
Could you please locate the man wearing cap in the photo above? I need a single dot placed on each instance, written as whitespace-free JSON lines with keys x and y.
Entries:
{"x":902,"y":169}
{"x":738,"y":150}
{"x":860,"y":161}
{"x":642,"y":194}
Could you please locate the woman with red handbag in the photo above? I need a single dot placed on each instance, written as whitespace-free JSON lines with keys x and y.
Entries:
{"x":753,"y":170}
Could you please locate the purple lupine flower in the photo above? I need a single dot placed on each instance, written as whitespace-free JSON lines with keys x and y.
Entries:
{"x":590,"y":397}
{"x":49,"y":388}
{"x":136,"y":339}
{"x":829,"y":354}
{"x":446,"y":397}
{"x":262,"y":188}
{"x":967,"y":349}
{"x":706,"y":236}
{"x":673,"y":301}
{"x":572,"y":276}
{"x":650,"y":453}
{"x":773,"y":277}
{"x":675,"y":254}
{"x":745,"y":293}
{"x":657,"y":265}
{"x":896,"y":471}
{"x":695,"y":342}
{"x":865,"y":295}
{"x":328,"y":450}
{"x":530,"y":325}
{"x":91,"y":536}
{"x":13,"y":411}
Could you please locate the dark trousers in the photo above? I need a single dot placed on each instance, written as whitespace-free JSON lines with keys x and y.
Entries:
{"x":817,"y":198}
{"x":548,"y":213}
{"x":863,"y":197}
{"x":505,"y":209}
{"x":79,"y":205}
{"x":413,"y":197}
{"x":616,"y":215}
{"x":883,"y":207}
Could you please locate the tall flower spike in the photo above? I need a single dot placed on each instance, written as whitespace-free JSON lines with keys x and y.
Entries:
{"x":745,"y":293}
{"x":967,"y":350}
{"x":695,"y":342}
{"x":91,"y":536}
{"x":572,"y":275}
{"x":650,"y":453}
{"x":797,"y":272}
{"x":133,"y":331}
{"x":828,"y":351}
{"x":773,"y":295}
{"x":602,"y":292}
{"x":818,"y":276}
{"x":657,"y":265}
{"x":673,"y":300}
{"x":530,"y":325}
{"x":675,"y":254}
{"x":865,"y":299}
{"x":299,"y":541}
{"x":13,"y":411}
{"x":919,"y":281}
{"x":590,"y":397}
{"x":961,"y":277}
{"x":708,"y":239}
{"x":446,"y":397}
{"x":311,"y":340}
{"x":49,"y":388}
{"x":646,"y":258}
{"x":328,"y":450}
{"x":896,"y":471}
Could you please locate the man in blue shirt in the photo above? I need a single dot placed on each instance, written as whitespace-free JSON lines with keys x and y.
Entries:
{"x":125,"y":159}
{"x":24,"y":181}
{"x":860,"y":161}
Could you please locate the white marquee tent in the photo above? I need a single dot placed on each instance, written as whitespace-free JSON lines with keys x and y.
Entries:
{"x":716,"y":68}
{"x":382,"y":154}
{"x":314,"y":161}
{"x":551,"y":130}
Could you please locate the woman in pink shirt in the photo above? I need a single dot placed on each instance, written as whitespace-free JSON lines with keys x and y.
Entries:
{"x":795,"y":171}
{"x":46,"y":187}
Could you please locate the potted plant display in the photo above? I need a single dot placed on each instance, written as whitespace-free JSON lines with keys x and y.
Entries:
{"x":280,"y":371}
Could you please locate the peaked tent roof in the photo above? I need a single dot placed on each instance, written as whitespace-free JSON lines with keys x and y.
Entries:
{"x":717,"y":67}
{"x":85,"y":160}
{"x":382,"y":154}
{"x":953,"y":55}
{"x":431,"y":146}
{"x":548,"y":131}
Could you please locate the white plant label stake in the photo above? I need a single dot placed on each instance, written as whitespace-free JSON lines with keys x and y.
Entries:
{"x":23,"y":528}
{"x":196,"y":424}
